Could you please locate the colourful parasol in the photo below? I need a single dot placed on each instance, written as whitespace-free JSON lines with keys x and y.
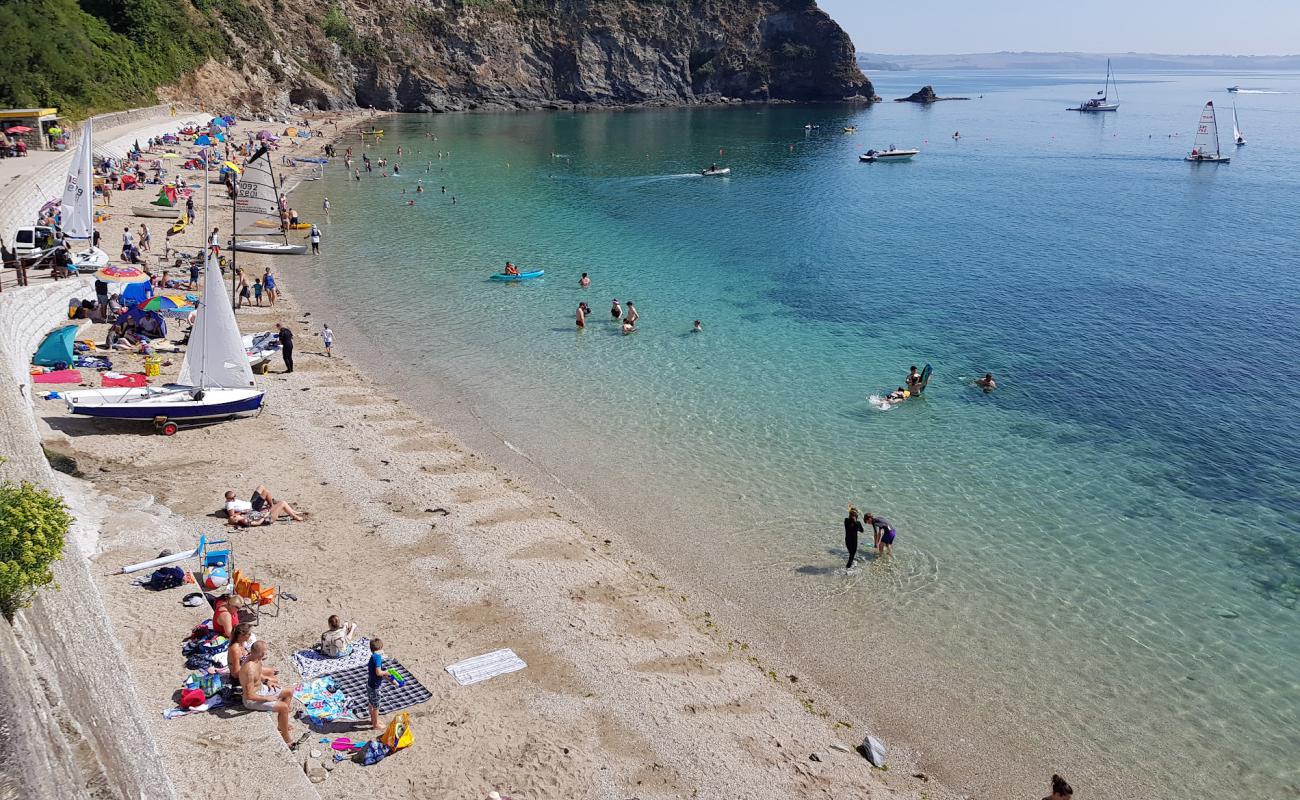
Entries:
{"x":232,"y":166}
{"x":170,"y":303}
{"x":121,"y":274}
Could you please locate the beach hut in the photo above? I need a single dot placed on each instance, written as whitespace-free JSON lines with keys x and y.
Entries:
{"x":56,"y":349}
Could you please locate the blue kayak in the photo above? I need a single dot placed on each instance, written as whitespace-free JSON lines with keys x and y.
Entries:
{"x":523,"y":276}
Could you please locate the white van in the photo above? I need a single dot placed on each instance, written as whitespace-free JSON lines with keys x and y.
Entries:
{"x":32,"y":240}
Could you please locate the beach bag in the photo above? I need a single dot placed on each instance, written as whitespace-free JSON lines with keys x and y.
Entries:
{"x":398,"y":735}
{"x":165,"y":578}
{"x":374,"y":753}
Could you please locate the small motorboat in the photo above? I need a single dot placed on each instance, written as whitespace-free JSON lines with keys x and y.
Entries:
{"x":850,"y":129}
{"x":812,"y":127}
{"x":523,"y":276}
{"x":1234,"y":89}
{"x":892,"y":154}
{"x":713,"y":172}
{"x":156,"y":211}
{"x":270,"y":248}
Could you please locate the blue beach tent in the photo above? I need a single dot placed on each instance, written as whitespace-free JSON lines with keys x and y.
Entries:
{"x":57,"y":348}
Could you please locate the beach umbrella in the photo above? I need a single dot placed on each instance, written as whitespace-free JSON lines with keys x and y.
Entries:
{"x":18,"y":129}
{"x":203,"y":140}
{"x":264,"y":134}
{"x":217,"y":122}
{"x":170,"y":303}
{"x":121,"y":274}
{"x":232,"y":166}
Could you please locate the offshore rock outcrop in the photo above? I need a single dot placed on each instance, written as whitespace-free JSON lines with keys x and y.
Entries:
{"x":455,"y":55}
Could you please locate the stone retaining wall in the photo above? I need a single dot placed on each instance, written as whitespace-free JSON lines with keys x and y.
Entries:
{"x":70,"y":725}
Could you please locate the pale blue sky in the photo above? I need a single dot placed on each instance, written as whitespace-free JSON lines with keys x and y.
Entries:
{"x":1238,"y":27}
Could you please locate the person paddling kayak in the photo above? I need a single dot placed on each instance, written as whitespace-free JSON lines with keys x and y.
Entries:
{"x":510,"y":269}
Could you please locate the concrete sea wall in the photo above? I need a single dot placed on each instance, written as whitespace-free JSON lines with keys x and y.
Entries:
{"x":70,"y":721}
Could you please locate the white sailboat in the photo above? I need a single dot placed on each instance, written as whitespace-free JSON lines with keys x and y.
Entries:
{"x":215,"y":381}
{"x":257,"y":201}
{"x":1103,"y":101}
{"x":1205,"y":147}
{"x":1237,"y":135}
{"x":77,"y":214}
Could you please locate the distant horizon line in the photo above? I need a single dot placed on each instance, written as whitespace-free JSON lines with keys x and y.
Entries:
{"x":1078,"y":53}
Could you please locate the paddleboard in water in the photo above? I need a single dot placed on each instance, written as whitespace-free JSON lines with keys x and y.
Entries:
{"x":925,"y":380}
{"x":523,"y":276}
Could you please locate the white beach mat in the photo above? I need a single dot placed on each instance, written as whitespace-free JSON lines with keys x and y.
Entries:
{"x":488,"y":665}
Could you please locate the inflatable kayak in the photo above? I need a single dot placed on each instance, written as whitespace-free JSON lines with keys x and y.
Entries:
{"x":523,"y":276}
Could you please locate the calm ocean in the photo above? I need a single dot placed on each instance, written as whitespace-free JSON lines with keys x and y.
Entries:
{"x":1098,"y":565}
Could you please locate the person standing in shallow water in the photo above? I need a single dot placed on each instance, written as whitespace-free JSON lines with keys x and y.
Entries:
{"x":852,"y":527}
{"x":615,"y":310}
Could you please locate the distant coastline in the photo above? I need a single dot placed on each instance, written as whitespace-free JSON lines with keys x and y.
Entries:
{"x":1033,"y":61}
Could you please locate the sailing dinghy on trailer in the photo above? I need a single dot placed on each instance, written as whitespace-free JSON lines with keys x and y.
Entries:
{"x":77,"y":212}
{"x":215,"y":382}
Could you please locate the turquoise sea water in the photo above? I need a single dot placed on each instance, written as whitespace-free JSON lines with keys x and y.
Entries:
{"x":1098,"y":565}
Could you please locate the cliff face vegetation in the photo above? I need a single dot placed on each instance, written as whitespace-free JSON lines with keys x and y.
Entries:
{"x":425,"y":55}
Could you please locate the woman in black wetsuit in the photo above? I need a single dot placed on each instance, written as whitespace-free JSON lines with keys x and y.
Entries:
{"x":852,"y":527}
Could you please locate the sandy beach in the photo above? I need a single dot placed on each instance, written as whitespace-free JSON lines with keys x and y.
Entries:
{"x":631,"y":688}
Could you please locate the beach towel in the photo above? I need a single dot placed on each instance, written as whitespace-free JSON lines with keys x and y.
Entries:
{"x":213,"y":702}
{"x":58,"y":376}
{"x":323,"y":700}
{"x":391,"y":696}
{"x":488,"y":665}
{"x":92,"y":362}
{"x":118,"y":379}
{"x":313,"y":664}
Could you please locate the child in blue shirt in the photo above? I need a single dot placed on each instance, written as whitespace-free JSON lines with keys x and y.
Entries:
{"x":376,"y":676}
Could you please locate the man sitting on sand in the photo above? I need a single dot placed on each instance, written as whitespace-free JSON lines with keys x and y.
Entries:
{"x":261,"y":694}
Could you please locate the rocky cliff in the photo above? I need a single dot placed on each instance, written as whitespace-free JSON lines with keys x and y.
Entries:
{"x":452,"y":55}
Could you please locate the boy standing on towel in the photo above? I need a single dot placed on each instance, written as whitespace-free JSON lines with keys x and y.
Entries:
{"x":376,"y":676}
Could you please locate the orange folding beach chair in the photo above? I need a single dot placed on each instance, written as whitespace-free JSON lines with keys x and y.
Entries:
{"x":258,"y":598}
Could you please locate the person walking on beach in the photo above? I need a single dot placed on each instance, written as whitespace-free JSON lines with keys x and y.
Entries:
{"x":189,"y":208}
{"x":376,"y":676}
{"x":268,"y":283}
{"x":616,"y":311}
{"x":243,"y":291}
{"x":852,"y":527}
{"x":326,"y":208}
{"x":127,"y":237}
{"x":257,"y":291}
{"x":286,"y":346}
{"x":214,"y":242}
{"x":1060,"y":789}
{"x":314,"y":236}
{"x":327,"y":338}
{"x":882,"y":534}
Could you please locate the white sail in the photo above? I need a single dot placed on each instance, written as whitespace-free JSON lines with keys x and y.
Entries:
{"x":1206,"y":142}
{"x":257,"y":199}
{"x":215,"y":357}
{"x":1236,"y":128}
{"x":77,"y":214}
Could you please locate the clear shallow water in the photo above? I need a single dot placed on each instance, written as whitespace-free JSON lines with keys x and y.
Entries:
{"x":1098,"y":565}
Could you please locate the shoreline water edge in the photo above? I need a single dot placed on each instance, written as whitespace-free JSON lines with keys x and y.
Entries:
{"x":632,"y":688}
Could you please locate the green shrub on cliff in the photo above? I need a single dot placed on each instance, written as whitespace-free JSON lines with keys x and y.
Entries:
{"x":33,"y":527}
{"x":96,"y":56}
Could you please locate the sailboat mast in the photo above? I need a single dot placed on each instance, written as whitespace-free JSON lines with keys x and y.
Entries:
{"x":207,"y":249}
{"x":1111,"y":80}
{"x":279,"y":206}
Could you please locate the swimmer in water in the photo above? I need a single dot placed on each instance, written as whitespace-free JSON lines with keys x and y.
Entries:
{"x":581,"y":317}
{"x":410,"y":202}
{"x":628,"y":327}
{"x":987,"y":383}
{"x":898,"y":395}
{"x":699,"y":327}
{"x":633,"y":316}
{"x":616,"y":310}
{"x":913,"y":381}
{"x":510,"y":269}
{"x":584,"y":281}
